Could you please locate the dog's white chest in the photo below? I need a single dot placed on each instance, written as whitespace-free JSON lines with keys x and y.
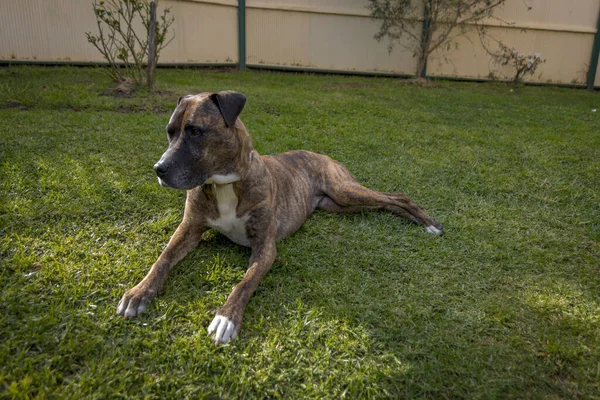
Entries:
{"x":228,"y":222}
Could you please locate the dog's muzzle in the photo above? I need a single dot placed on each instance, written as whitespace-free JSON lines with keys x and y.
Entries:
{"x":171,"y":175}
{"x":161,"y":169}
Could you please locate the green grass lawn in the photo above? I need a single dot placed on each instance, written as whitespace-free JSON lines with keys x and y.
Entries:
{"x":505,"y":304}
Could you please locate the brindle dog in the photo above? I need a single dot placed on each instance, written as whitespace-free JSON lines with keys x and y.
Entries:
{"x":254,"y":200}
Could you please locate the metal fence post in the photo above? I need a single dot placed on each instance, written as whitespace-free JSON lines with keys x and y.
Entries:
{"x":242,"y":35}
{"x":594,"y":59}
{"x":151,"y":46}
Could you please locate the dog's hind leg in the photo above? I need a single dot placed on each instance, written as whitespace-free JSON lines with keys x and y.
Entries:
{"x":342,"y":193}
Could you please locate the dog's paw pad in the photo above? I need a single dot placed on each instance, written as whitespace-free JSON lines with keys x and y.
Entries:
{"x":223,"y":329}
{"x":433,"y":230}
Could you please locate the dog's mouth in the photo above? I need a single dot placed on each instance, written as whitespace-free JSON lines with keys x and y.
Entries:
{"x":162,"y":183}
{"x":179,"y":186}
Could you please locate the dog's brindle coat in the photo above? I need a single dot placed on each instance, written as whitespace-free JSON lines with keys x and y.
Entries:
{"x":254,"y":200}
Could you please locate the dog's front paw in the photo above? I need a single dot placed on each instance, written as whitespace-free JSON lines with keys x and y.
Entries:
{"x":135,"y":301}
{"x":223,"y":328}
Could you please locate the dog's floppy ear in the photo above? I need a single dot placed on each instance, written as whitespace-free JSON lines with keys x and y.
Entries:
{"x":179,"y":101}
{"x":230,"y":104}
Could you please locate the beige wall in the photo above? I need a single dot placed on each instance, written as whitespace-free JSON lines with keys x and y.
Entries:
{"x":325,"y":34}
{"x":315,"y":40}
{"x":562,"y":31}
{"x":54,"y":30}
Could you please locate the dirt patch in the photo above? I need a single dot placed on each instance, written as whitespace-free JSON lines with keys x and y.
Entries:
{"x":128,"y":88}
{"x":135,"y":109}
{"x":269,"y":109}
{"x":162,"y":92}
{"x":125,"y":88}
{"x":421,"y":82}
{"x":211,"y":70}
{"x":17,"y":105}
{"x":159,"y":110}
{"x":349,"y":85}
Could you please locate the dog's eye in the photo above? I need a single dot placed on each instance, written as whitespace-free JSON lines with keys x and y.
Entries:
{"x":197,"y":131}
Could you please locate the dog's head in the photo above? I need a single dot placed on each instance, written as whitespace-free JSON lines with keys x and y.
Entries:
{"x":207,"y":142}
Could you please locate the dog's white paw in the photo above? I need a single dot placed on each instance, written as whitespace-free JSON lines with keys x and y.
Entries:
{"x":223,"y":329}
{"x":129,"y":309}
{"x":433,"y":230}
{"x":135,"y":301}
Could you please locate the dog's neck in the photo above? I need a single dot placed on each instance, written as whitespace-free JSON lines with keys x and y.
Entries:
{"x":238,"y":175}
{"x":247,"y":152}
{"x":242,"y":164}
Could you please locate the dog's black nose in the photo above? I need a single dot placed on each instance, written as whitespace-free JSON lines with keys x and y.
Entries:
{"x":160,"y":168}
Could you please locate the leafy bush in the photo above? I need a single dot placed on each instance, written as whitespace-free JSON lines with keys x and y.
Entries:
{"x":123,"y":42}
{"x":522,"y":64}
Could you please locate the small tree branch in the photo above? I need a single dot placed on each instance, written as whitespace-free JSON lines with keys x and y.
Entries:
{"x":448,"y":20}
{"x":121,"y":45}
